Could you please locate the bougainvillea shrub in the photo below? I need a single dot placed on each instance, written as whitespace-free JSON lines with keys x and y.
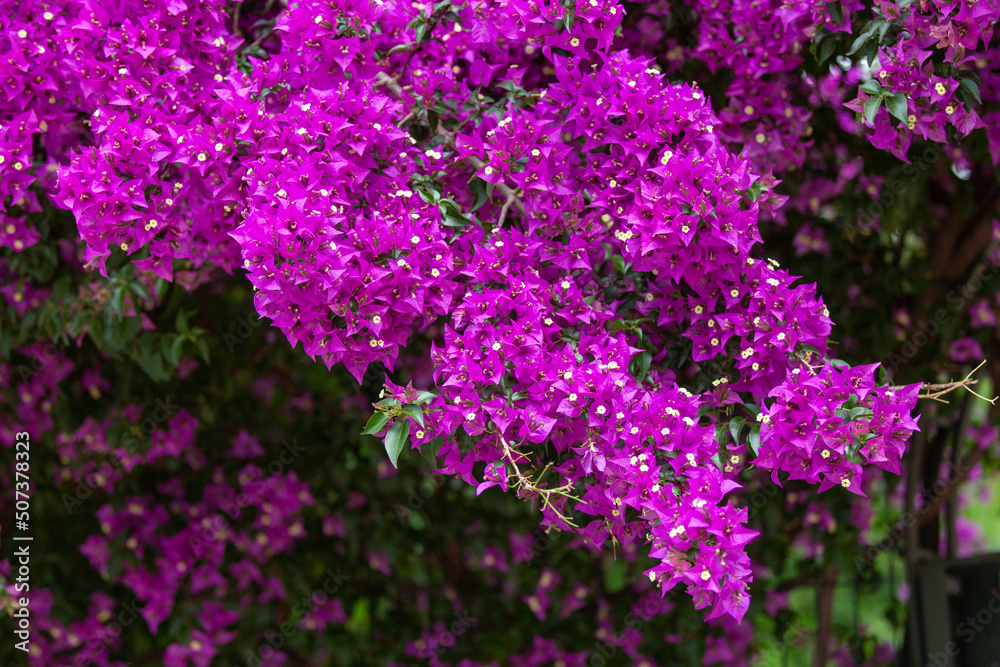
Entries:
{"x":493,"y":333}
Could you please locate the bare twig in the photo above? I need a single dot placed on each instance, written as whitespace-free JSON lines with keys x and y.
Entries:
{"x":503,"y":210}
{"x":936,"y":391}
{"x":545,"y":494}
{"x":236,"y":18}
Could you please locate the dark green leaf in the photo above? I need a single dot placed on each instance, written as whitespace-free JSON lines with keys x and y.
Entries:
{"x":871,"y":108}
{"x":568,"y":18}
{"x":415,"y":412}
{"x":973,"y":89}
{"x":424,"y":397}
{"x":836,"y":12}
{"x":826,"y":50}
{"x":375,"y":424}
{"x":735,"y":426}
{"x":430,"y":449}
{"x":396,"y":439}
{"x":896,"y":104}
{"x":872,"y":87}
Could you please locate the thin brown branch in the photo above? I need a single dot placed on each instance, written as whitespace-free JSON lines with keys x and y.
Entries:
{"x":936,"y":391}
{"x":504,"y":209}
{"x":824,"y":615}
{"x":236,"y":18}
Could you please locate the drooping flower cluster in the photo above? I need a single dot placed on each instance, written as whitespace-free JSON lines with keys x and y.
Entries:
{"x":823,"y":428}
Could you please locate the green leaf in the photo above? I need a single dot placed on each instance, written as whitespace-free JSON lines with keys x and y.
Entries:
{"x":859,"y":412}
{"x":478,"y":188}
{"x":973,"y":89}
{"x":836,"y":12}
{"x":415,"y":412}
{"x":612,"y":326}
{"x":641,"y":362}
{"x":568,"y":18}
{"x":174,"y":355}
{"x":116,"y":302}
{"x":396,"y":439}
{"x":826,"y":50}
{"x":753,"y":440}
{"x":202,"y":348}
{"x":871,"y":108}
{"x":424,"y":397}
{"x":375,"y":424}
{"x":429,"y":450}
{"x":896,"y":104}
{"x":872,"y":87}
{"x":735,"y":426}
{"x":720,"y":432}
{"x":862,"y":38}
{"x":399,"y":47}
